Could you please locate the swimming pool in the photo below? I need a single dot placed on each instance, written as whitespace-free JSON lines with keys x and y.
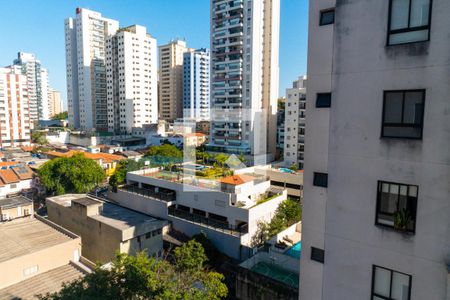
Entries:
{"x":277,"y":273}
{"x":295,"y":250}
{"x":286,"y":170}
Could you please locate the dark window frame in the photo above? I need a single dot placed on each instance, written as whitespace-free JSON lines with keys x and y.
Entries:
{"x":324,"y":11}
{"x":317,"y":255}
{"x":372,"y":292}
{"x":408,"y":29}
{"x":323,"y":105}
{"x":378,"y":208}
{"x":316,"y":181}
{"x":402,"y":124}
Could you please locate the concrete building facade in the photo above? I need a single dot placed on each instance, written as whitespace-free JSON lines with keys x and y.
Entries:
{"x":15,"y":207}
{"x":131,"y":79}
{"x":55,"y":102}
{"x":106,"y":228}
{"x":376,"y":214}
{"x":196,"y":83}
{"x":15,"y":122}
{"x":37,"y":83}
{"x":85,"y":37}
{"x":171,"y":79}
{"x":294,"y":124}
{"x":227,"y":209}
{"x":244,"y":69}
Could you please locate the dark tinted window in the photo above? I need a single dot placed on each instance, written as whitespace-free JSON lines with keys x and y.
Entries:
{"x":323,"y":100}
{"x":403,"y":114}
{"x":326,"y":17}
{"x":318,"y":254}
{"x":320,"y":179}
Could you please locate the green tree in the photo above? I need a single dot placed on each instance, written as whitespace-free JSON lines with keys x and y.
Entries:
{"x":293,"y":167}
{"x":122,"y":168}
{"x":61,"y":116}
{"x":39,"y":137}
{"x":166,"y":150}
{"x":76,"y":174}
{"x":142,"y":277}
{"x":288,"y":213}
{"x":221,"y":158}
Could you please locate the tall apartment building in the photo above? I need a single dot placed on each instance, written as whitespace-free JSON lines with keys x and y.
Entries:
{"x":86,"y":36}
{"x":131,"y":79}
{"x":294,"y":123}
{"x":196,"y":83}
{"x":244,"y":66}
{"x":38,"y":85}
{"x":55,"y":102}
{"x":376,"y":214}
{"x":171,"y":79}
{"x":14,"y":108}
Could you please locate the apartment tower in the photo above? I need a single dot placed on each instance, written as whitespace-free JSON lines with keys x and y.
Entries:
{"x":55,"y":102}
{"x":131,"y":77}
{"x":171,"y":79}
{"x":244,"y":68}
{"x":14,"y":108}
{"x":294,"y":124}
{"x":196,"y":83}
{"x":86,"y":36}
{"x":38,"y":85}
{"x":376,"y":215}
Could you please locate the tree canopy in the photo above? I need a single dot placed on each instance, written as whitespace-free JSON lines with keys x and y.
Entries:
{"x":165,"y":154}
{"x":61,"y":116}
{"x":122,"y":168}
{"x":142,"y":277}
{"x":76,"y":174}
{"x":39,"y":137}
{"x":288,"y":213}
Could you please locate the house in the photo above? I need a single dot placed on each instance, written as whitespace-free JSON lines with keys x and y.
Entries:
{"x":107,"y":161}
{"x":15,"y":207}
{"x":14,"y":178}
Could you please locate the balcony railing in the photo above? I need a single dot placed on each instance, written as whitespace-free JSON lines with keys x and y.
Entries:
{"x":221,"y":226}
{"x":163,"y":196}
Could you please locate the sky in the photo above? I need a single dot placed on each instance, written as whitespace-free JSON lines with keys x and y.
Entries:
{"x":38,"y":27}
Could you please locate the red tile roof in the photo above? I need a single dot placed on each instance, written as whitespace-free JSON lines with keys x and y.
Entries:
{"x":236,"y":179}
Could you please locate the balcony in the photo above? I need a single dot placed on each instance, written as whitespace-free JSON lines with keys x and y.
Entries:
{"x":209,"y":222}
{"x":163,"y":195}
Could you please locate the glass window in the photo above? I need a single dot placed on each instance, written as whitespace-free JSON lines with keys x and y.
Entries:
{"x":323,"y":100}
{"x":320,"y":179}
{"x":388,"y":284}
{"x":397,"y":206}
{"x":409,"y":21}
{"x":403,"y":114}
{"x":317,"y":254}
{"x":326,"y":17}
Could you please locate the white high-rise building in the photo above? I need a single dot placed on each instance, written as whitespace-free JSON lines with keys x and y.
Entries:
{"x":15,"y":120}
{"x":131,"y":76}
{"x":86,"y":36}
{"x":196,"y":83}
{"x":294,"y":124}
{"x":38,"y":85}
{"x":376,"y":215}
{"x":244,"y":68}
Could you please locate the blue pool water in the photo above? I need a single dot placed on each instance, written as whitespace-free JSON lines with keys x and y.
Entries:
{"x":295,"y":250}
{"x":286,"y":170}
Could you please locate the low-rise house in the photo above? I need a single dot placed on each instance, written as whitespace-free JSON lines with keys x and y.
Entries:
{"x":32,"y":247}
{"x":134,"y":155}
{"x":106,"y":228}
{"x":15,"y":178}
{"x":107,"y":161}
{"x":188,"y":139}
{"x":226,"y":209}
{"x":15,"y":207}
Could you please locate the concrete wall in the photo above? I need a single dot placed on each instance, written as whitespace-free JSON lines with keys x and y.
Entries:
{"x":344,"y":141}
{"x":16,"y":187}
{"x":12,"y":271}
